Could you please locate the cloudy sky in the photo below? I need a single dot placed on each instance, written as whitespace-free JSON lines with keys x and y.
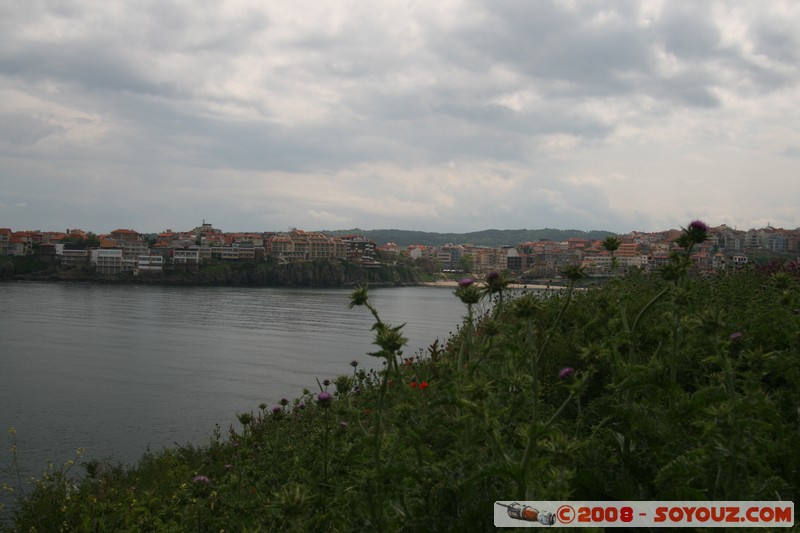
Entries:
{"x":447,"y":115}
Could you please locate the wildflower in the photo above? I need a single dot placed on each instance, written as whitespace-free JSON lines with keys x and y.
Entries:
{"x":284,"y":402}
{"x":343,"y":424}
{"x":566,"y":372}
{"x":496,"y":283}
{"x":228,"y":466}
{"x":326,"y":382}
{"x":413,"y":384}
{"x":262,"y":406}
{"x":301,"y":406}
{"x":697,"y":231}
{"x":354,"y":363}
{"x":423,"y":385}
{"x":736,"y":336}
{"x":201,"y":479}
{"x":612,"y":244}
{"x":698,"y":225}
{"x":467,"y":292}
{"x":573,"y":272}
{"x":324,"y":398}
{"x":490,"y":327}
{"x":359,"y":296}
{"x":276,"y":410}
{"x":526,"y":307}
{"x":343,"y":384}
{"x":389,"y":338}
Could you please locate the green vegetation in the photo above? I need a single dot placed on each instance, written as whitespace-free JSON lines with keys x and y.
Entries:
{"x":11,"y":266}
{"x":491,"y":237}
{"x":320,"y":273}
{"x":665,"y":387}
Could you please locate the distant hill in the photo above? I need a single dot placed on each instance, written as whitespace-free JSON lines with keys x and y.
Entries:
{"x":489,"y":237}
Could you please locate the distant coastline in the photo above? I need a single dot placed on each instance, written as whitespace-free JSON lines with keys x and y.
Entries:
{"x":454,"y":284}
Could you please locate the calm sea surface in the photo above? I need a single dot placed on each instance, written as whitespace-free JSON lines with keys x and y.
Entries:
{"x":118,"y":369}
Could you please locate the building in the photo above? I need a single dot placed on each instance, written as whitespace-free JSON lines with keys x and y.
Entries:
{"x":359,"y":249}
{"x":107,"y":261}
{"x":149,"y":264}
{"x":186,"y":259}
{"x":5,"y":239}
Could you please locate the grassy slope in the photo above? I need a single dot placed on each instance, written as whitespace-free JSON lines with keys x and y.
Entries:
{"x":663,"y":404}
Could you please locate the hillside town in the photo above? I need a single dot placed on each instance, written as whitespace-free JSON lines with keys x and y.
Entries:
{"x":126,"y":250}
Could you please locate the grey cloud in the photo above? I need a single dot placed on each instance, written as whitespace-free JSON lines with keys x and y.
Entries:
{"x":779,"y":40}
{"x":177,"y":90}
{"x":792,"y":151}
{"x":89,"y":66}
{"x":23,"y":129}
{"x":686,"y":29}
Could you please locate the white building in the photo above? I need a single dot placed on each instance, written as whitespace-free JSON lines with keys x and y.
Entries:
{"x":107,"y":260}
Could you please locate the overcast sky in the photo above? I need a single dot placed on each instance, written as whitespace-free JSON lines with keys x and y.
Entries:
{"x":446,"y":115}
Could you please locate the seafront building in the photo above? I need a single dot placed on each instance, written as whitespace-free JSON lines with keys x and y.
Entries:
{"x":127,"y":251}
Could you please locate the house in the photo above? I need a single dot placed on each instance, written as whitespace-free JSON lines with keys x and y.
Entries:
{"x":126,"y":235}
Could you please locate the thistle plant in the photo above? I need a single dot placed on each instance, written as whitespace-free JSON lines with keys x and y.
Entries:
{"x":573,"y":274}
{"x":611,"y":244}
{"x":496,"y":284}
{"x":676,"y":272}
{"x":469,"y":294}
{"x":390,"y":341}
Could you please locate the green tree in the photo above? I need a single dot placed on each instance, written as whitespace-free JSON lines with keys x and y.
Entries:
{"x":466,"y":263}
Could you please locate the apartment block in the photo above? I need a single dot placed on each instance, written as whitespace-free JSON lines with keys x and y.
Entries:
{"x":107,"y":261}
{"x":70,"y":257}
{"x":149,"y":264}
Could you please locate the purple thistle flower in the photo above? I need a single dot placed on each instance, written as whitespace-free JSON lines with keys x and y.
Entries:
{"x":566,"y":372}
{"x":324,"y":398}
{"x":201,"y":479}
{"x":301,"y":406}
{"x":284,"y":402}
{"x":491,"y":276}
{"x":276,"y":410}
{"x":466,"y":282}
{"x":699,"y":226}
{"x":326,"y":382}
{"x":696,"y":233}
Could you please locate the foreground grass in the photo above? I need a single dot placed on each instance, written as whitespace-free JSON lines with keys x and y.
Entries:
{"x":648,"y":388}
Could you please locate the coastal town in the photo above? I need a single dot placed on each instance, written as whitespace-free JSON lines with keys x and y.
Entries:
{"x":128,"y":251}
